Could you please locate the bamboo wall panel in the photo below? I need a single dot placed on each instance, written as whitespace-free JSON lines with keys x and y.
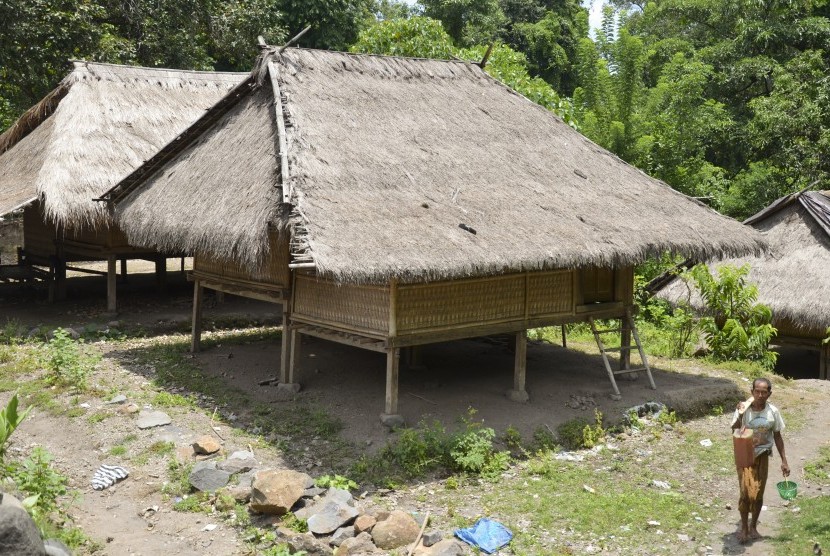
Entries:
{"x":597,"y":285}
{"x":353,"y":307}
{"x":457,"y":303}
{"x":550,"y":293}
{"x":274,"y":269}
{"x":38,"y":236}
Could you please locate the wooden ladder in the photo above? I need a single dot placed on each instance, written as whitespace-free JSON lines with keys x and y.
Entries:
{"x":626,"y":325}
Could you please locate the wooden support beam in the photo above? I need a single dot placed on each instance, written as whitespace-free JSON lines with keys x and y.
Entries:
{"x":59,"y":271}
{"x":293,"y":356}
{"x":824,"y":362}
{"x":123,"y":270}
{"x":196,"y":325}
{"x":285,"y":348}
{"x":625,"y":344}
{"x":161,"y":273}
{"x":393,"y":361}
{"x":111,"y":277}
{"x":519,"y":393}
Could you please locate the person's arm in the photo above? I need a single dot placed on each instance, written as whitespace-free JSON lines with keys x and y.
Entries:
{"x":779,"y":444}
{"x":738,"y":416}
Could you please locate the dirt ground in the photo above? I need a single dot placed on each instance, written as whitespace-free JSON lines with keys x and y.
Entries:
{"x":349,"y":384}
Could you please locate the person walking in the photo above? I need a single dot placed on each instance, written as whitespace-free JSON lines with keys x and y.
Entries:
{"x":765,"y":420}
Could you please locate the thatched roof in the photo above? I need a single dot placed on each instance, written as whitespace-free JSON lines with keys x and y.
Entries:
{"x":100,"y":123}
{"x":388,"y":161}
{"x":793,"y":277}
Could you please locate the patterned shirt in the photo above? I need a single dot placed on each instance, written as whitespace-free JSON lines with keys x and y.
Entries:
{"x":763,"y":424}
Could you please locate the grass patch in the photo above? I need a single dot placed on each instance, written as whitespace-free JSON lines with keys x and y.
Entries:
{"x":98,"y":416}
{"x":818,"y":470}
{"x":166,"y":399}
{"x":194,"y":503}
{"x":118,"y":450}
{"x":800,"y":531}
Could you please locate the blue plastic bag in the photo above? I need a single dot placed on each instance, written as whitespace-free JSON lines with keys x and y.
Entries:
{"x":486,"y":534}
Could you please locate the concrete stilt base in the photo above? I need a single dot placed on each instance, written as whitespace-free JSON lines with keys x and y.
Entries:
{"x":392,"y":420}
{"x":520,"y":396}
{"x":289,"y":387}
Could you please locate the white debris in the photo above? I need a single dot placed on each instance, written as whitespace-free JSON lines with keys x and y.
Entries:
{"x":706,"y":443}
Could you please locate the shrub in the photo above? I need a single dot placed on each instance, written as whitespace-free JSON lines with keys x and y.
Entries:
{"x":735,"y":326}
{"x":579,"y":433}
{"x":10,"y":419}
{"x":67,"y":362}
{"x":35,"y":476}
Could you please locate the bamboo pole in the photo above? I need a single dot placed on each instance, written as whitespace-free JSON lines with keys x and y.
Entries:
{"x":196,"y":325}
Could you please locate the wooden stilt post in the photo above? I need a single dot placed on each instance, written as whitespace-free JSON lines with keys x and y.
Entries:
{"x":60,"y":273}
{"x":196,"y":330}
{"x":220,"y":297}
{"x":111,"y":277}
{"x":285,"y":346}
{"x":123,"y":270}
{"x":625,"y":343}
{"x":393,"y":361}
{"x":161,"y":273}
{"x":824,"y":362}
{"x":518,"y":393}
{"x":564,"y":337}
{"x":293,"y":355}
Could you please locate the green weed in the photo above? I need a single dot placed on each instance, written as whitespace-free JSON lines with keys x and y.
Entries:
{"x":336,"y":481}
{"x":818,"y":470}
{"x":68,"y":363}
{"x":294,"y":523}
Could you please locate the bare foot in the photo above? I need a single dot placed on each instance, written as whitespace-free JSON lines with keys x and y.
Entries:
{"x":743,"y":537}
{"x":754,"y":534}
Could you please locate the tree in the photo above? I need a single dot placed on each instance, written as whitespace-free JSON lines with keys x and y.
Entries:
{"x":419,"y":37}
{"x":468,"y":22}
{"x":335,"y":24}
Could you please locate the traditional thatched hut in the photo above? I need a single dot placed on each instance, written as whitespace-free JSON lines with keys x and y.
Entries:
{"x":392,"y":202}
{"x":97,"y":126}
{"x":793,"y":277}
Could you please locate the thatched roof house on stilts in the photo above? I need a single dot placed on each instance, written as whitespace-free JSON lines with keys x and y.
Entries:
{"x":793,"y":276}
{"x":389,"y":203}
{"x":96,"y":127}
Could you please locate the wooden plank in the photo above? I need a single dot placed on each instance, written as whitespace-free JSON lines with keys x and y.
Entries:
{"x":237,"y":282}
{"x":112,"y":274}
{"x":269,"y":296}
{"x":342,"y":338}
{"x":393,"y":360}
{"x":282,"y":143}
{"x":196,"y":324}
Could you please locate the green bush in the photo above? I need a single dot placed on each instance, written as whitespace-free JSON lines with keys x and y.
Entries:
{"x":735,"y":326}
{"x":67,"y":362}
{"x":336,"y":481}
{"x":579,"y":433}
{"x":35,"y":477}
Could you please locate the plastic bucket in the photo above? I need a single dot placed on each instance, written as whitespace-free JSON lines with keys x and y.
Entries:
{"x":744,"y":448}
{"x":787,"y":489}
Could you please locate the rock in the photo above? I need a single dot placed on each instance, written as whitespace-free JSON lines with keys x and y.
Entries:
{"x":313,"y":491}
{"x":334,"y":515}
{"x":275,"y":491}
{"x":206,"y":478}
{"x":238,"y":462}
{"x":18,"y":533}
{"x":364,"y":523}
{"x":399,"y":529}
{"x":129,"y":409}
{"x":341,"y":535}
{"x":7,"y":499}
{"x":184,"y":454}
{"x":120,"y":398}
{"x":54,"y":547}
{"x":206,"y":444}
{"x":306,"y":543}
{"x":150,"y":419}
{"x":334,"y":495}
{"x":361,"y":544}
{"x":432,"y":537}
{"x":446,"y":547}
{"x":239,"y":493}
{"x":114,"y":324}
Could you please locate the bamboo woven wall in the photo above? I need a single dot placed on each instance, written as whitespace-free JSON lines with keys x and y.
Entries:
{"x":274,"y":271}
{"x":38,"y":236}
{"x":360,"y":308}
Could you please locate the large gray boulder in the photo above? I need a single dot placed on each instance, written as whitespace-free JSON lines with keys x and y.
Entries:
{"x":18,"y":533}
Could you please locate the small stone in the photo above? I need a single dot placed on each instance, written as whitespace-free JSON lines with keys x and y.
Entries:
{"x":432,"y":537}
{"x":276,"y":491}
{"x":206,"y":444}
{"x":392,"y":420}
{"x":446,"y":547}
{"x":399,"y":529}
{"x":150,"y":419}
{"x":361,"y":544}
{"x":364,"y":523}
{"x":129,"y":409}
{"x":341,"y":535}
{"x":120,"y":398}
{"x":54,"y":547}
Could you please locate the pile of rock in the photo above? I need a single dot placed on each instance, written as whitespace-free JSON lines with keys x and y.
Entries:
{"x":19,"y":534}
{"x":337,"y":524}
